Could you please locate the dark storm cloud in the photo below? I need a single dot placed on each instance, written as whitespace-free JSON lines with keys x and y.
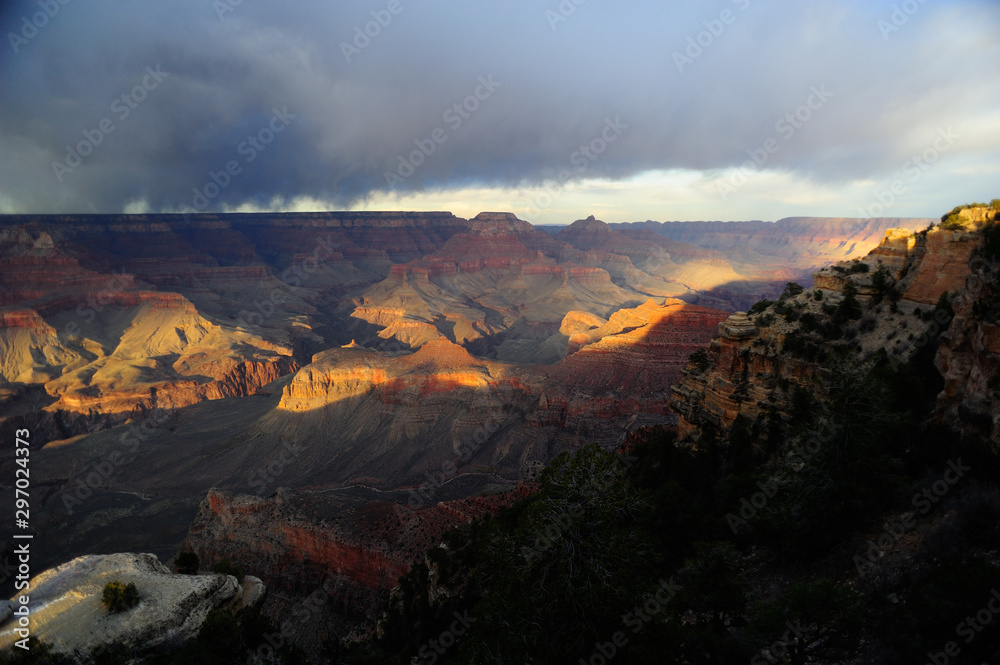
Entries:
{"x":229,"y":72}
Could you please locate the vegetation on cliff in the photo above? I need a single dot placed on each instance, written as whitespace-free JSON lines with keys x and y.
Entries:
{"x":819,"y":510}
{"x":837,"y":522}
{"x":119,"y":597}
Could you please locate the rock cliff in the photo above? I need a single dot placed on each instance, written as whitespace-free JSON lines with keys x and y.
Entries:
{"x":66,"y":607}
{"x":913,"y":291}
{"x":353,"y":544}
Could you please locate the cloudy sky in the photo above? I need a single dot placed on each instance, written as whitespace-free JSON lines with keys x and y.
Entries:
{"x":628,"y":110}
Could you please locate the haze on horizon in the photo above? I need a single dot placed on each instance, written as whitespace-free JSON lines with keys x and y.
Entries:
{"x":492,"y":106}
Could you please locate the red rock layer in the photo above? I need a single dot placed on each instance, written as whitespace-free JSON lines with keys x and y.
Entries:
{"x":298,"y":542}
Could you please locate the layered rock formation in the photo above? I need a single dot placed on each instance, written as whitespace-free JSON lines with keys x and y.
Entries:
{"x":763,"y":255}
{"x":67,"y":612}
{"x":905,"y":289}
{"x":372,"y":362}
{"x":282,"y":286}
{"x":352,"y":545}
{"x":969,"y":354}
{"x":104,"y":343}
{"x":425,"y":407}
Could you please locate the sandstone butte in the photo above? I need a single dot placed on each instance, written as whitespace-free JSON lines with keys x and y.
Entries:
{"x":745,"y":369}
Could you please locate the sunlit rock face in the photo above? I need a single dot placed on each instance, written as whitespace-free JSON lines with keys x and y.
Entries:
{"x":101,"y":316}
{"x":734,"y":264}
{"x":969,"y":354}
{"x":376,"y":354}
{"x":374,"y":417}
{"x":66,"y":607}
{"x":748,"y":372}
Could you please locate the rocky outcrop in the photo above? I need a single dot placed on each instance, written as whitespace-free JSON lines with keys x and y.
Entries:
{"x":903,"y":290}
{"x":737,"y":326}
{"x":968,"y":356}
{"x":66,"y":607}
{"x":638,"y":351}
{"x":351,"y":544}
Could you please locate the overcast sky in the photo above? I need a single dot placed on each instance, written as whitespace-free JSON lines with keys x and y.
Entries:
{"x":628,"y":110}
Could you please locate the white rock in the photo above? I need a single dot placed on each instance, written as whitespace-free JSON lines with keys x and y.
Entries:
{"x":66,"y":607}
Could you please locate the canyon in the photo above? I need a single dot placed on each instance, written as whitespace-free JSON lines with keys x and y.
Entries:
{"x":320,"y":396}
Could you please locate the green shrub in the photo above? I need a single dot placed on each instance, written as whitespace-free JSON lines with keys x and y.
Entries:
{"x":187,"y":563}
{"x":880,"y":280}
{"x":220,"y":634}
{"x":792,"y":289}
{"x":954,"y":213}
{"x":759,"y":306}
{"x":832,"y":331}
{"x":764,"y":320}
{"x":118,"y":597}
{"x":849,"y":308}
{"x":860,"y":267}
{"x":991,"y":241}
{"x":800,"y":347}
{"x":227,"y":567}
{"x":952,"y":223}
